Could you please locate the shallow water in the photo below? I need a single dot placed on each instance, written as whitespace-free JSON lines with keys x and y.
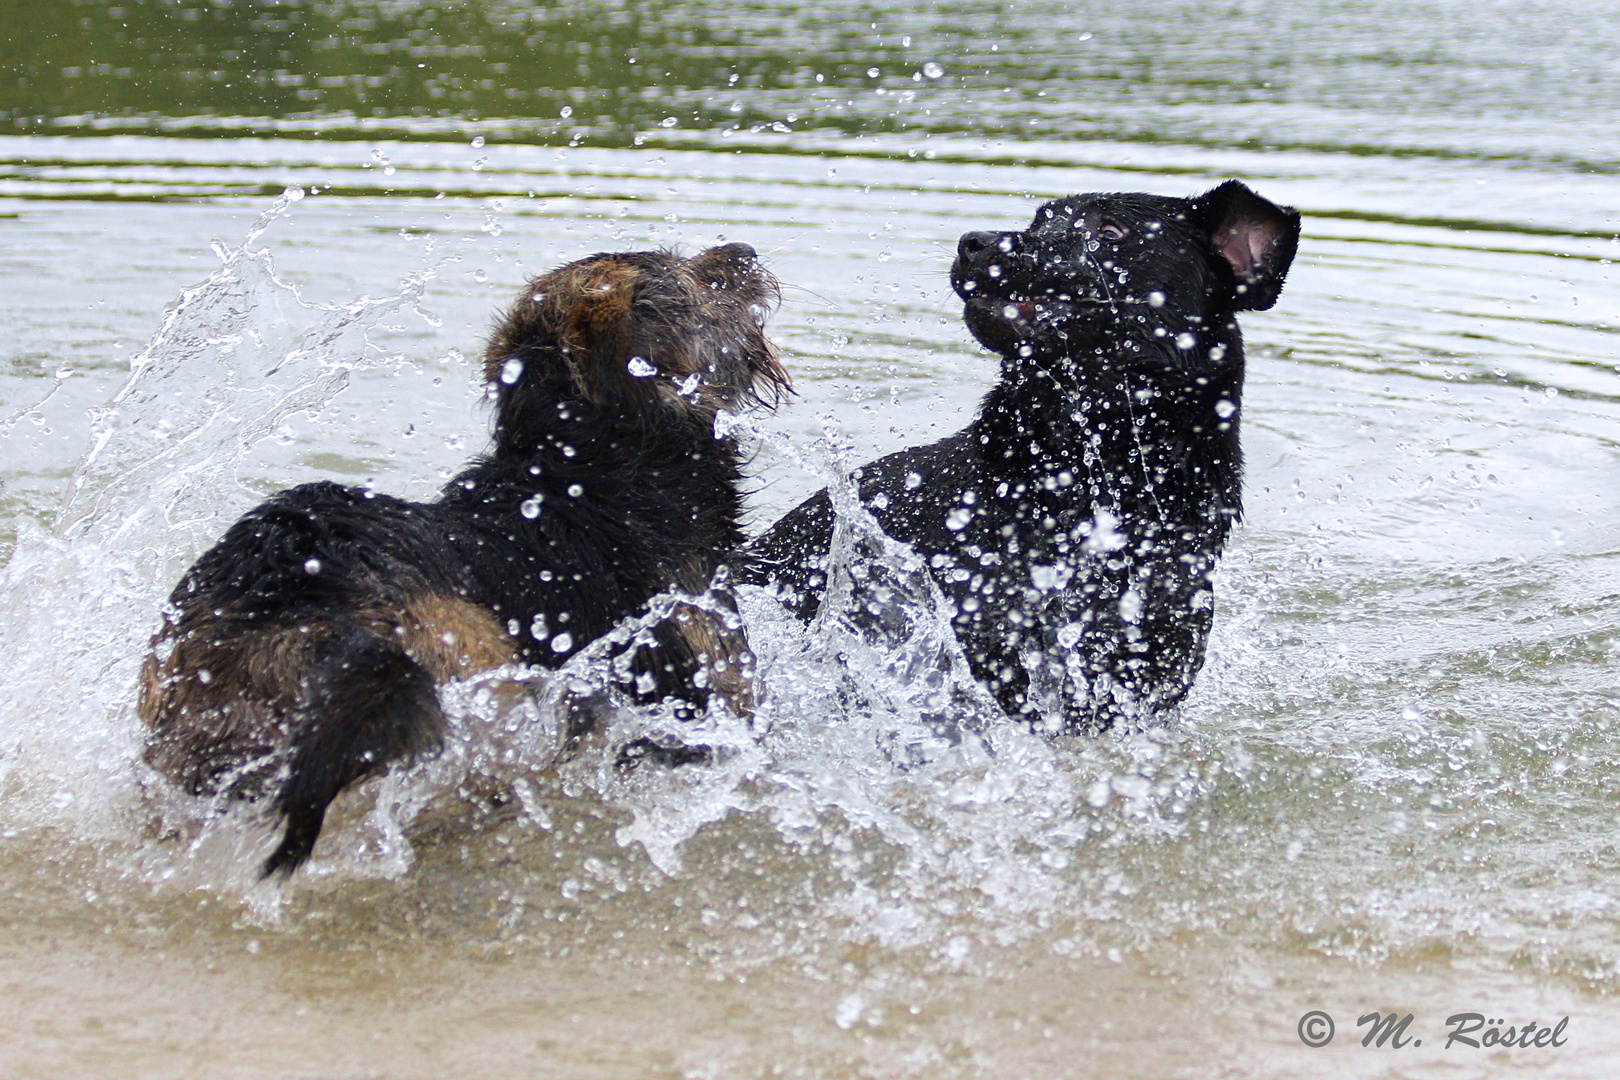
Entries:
{"x":1392,"y":788}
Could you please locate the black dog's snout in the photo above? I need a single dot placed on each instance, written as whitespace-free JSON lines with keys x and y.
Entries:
{"x":973,"y":243}
{"x":738,"y":252}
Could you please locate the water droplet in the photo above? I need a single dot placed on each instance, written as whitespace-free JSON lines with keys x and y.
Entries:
{"x":1185,"y":341}
{"x":668,"y":122}
{"x":1155,"y":298}
{"x":1224,"y":408}
{"x":512,"y":370}
{"x":312,"y":566}
{"x":575,"y":491}
{"x":478,"y":142}
{"x":932,"y":70}
{"x":566,"y":111}
{"x":1044,"y":578}
{"x":640,"y":368}
{"x":1102,"y":536}
{"x":872,"y":73}
{"x":562,"y":642}
{"x":531,"y":506}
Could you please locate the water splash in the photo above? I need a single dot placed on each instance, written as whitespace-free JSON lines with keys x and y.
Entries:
{"x":872,"y":753}
{"x":233,"y":358}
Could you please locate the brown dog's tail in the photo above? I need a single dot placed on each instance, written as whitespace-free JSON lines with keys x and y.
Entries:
{"x":365,"y":705}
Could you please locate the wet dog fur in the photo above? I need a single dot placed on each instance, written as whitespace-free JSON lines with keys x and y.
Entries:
{"x":1075,"y":524}
{"x":301,"y":653}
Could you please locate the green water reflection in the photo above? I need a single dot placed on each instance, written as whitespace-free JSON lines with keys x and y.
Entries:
{"x":570,"y":69}
{"x":1427,"y":76}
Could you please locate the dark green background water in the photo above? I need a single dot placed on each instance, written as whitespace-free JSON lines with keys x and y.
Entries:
{"x":1431,"y":77}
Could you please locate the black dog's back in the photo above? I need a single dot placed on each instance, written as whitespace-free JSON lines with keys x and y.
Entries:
{"x":1074,"y":525}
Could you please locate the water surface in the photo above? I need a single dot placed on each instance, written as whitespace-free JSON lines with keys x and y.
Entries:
{"x":1392,"y":788}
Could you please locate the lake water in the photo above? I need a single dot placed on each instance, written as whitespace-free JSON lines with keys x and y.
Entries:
{"x":1393,"y":787}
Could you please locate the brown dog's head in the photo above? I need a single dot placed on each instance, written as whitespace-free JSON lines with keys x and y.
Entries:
{"x":640,"y":330}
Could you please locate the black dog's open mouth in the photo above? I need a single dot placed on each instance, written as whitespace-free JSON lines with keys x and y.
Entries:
{"x":1000,"y":307}
{"x":1017,"y":313}
{"x":1000,"y":322}
{"x":995,"y":320}
{"x":1013,"y":317}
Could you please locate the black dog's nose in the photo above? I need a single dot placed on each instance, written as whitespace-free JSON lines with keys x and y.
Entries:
{"x":974,"y":242}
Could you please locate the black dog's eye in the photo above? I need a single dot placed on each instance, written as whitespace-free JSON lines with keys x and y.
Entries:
{"x":1110,"y":230}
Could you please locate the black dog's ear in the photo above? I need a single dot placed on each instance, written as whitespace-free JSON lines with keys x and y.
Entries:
{"x":1257,"y":239}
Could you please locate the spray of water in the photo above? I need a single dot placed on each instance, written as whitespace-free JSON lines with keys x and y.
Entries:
{"x":233,"y":357}
{"x":871,"y":746}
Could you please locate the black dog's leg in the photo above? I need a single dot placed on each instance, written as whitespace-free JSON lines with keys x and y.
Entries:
{"x":366,"y":705}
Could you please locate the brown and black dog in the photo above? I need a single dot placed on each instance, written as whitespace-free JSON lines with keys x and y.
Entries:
{"x":301,"y":653}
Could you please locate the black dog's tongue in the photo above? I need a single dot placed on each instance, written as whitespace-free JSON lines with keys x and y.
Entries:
{"x":1017,"y":312}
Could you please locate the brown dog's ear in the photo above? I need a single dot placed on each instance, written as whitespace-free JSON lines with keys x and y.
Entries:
{"x":1257,"y":238}
{"x":599,"y":340}
{"x":573,"y":325}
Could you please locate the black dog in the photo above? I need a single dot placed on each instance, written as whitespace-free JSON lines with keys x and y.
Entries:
{"x":300,"y":654}
{"x":1074,"y":525}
